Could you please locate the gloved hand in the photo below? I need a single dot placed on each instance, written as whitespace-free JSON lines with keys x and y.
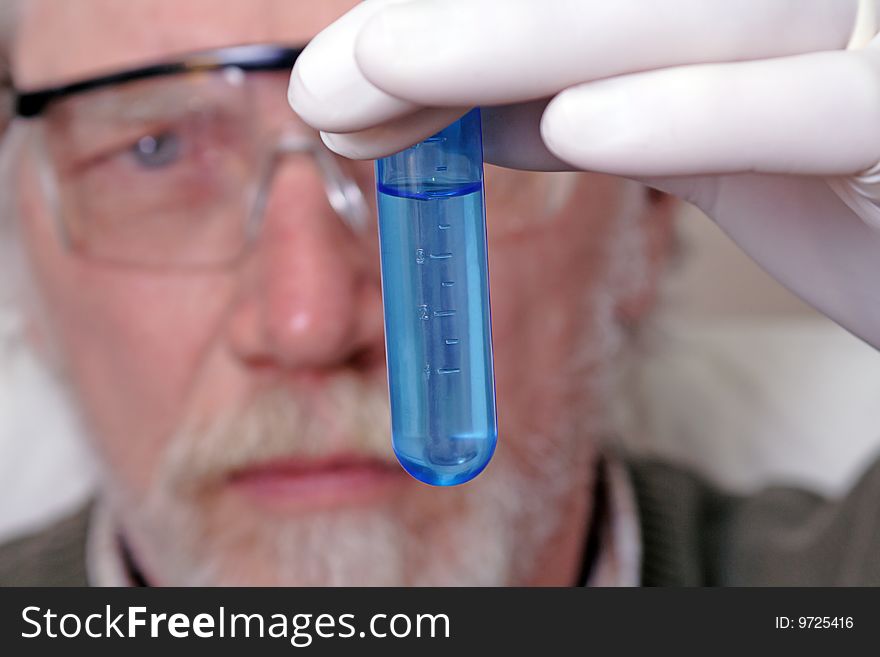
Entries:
{"x":764,"y":113}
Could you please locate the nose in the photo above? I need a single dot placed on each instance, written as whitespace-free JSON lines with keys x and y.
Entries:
{"x":310,"y":296}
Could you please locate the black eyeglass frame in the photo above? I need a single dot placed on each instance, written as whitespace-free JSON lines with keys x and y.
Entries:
{"x":31,"y":104}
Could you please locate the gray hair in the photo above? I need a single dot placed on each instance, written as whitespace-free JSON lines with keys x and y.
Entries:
{"x":8,"y":16}
{"x":12,"y":264}
{"x":10,"y":248}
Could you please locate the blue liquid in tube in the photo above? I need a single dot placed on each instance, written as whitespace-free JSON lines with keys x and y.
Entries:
{"x":435,"y":289}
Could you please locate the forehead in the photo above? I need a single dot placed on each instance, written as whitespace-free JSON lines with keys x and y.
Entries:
{"x":60,"y":41}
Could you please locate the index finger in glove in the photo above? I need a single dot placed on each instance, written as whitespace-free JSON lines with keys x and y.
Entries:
{"x":489,"y":52}
{"x":328,"y":90}
{"x":385,"y":57}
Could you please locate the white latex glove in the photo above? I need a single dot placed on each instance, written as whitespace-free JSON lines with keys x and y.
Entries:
{"x":764,"y":113}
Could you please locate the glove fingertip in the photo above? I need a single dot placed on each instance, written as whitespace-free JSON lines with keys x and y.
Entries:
{"x":556,"y":133}
{"x":345,"y":145}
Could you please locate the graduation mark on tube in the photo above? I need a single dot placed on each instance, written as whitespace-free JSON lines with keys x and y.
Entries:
{"x":435,"y":290}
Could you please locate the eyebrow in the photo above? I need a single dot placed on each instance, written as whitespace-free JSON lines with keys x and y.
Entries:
{"x":30,"y":104}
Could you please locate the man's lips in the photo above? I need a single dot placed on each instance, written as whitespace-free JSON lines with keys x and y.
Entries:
{"x":301,"y":484}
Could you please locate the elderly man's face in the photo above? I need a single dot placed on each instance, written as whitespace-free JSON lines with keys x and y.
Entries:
{"x":241,"y":412}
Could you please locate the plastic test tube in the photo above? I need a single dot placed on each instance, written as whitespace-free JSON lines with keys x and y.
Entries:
{"x":435,"y":288}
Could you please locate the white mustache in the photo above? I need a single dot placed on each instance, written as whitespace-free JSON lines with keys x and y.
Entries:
{"x":351,"y":416}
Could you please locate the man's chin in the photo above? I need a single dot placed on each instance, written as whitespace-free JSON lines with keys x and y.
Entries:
{"x":388,"y":530}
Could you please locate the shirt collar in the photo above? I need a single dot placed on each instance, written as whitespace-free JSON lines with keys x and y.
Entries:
{"x":619,"y":556}
{"x":105,"y":563}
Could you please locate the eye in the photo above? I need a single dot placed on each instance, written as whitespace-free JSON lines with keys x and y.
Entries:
{"x":155,"y":151}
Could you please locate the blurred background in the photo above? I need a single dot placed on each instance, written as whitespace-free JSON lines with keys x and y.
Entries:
{"x":744,"y":383}
{"x":736,"y":379}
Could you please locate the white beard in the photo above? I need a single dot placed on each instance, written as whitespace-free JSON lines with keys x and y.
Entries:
{"x":486,"y":533}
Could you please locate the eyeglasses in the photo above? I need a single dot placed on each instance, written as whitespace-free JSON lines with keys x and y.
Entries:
{"x":171,"y":165}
